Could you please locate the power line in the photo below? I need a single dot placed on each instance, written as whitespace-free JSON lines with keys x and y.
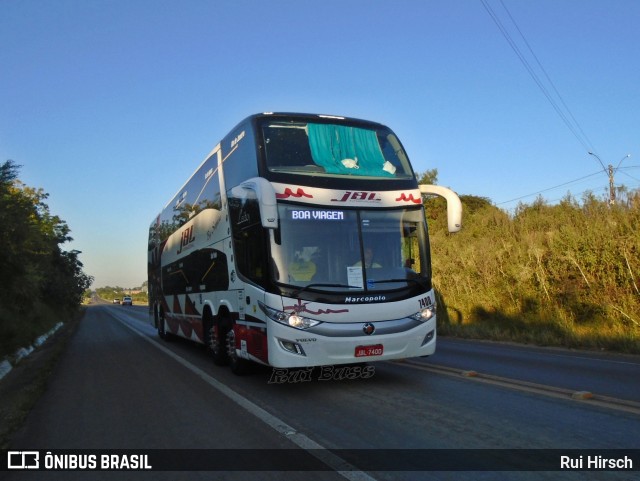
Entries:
{"x":584,"y":141}
{"x":561,"y":108}
{"x":566,"y":107}
{"x":570,"y":182}
{"x":548,"y":189}
{"x":629,"y":175}
{"x":632,"y":177}
{"x":552,"y":201}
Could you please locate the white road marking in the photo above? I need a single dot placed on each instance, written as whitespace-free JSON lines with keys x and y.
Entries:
{"x":341,"y":466}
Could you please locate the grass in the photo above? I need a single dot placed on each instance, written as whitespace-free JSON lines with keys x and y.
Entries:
{"x":23,"y":386}
{"x":565,"y":275}
{"x":21,"y":327}
{"x":498,"y":327}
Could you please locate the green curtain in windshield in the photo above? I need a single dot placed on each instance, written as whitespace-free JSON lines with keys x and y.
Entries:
{"x":346,"y":150}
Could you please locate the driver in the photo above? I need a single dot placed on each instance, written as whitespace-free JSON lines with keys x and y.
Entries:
{"x":302,"y":269}
{"x":368,"y":259}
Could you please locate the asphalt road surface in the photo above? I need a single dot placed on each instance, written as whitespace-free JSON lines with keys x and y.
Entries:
{"x":118,"y":386}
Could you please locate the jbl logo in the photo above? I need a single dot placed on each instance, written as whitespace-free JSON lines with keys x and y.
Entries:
{"x":355,"y":195}
{"x":186,"y":239}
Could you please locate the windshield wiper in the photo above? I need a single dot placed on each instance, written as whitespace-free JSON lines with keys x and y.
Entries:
{"x":311,"y":286}
{"x":421,"y":282}
{"x":297,"y":292}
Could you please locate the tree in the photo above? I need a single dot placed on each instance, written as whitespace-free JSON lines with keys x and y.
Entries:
{"x":474,"y":203}
{"x":428,"y":177}
{"x":36,"y":274}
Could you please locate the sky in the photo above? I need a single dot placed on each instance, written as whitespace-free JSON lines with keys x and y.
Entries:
{"x":110,"y":105}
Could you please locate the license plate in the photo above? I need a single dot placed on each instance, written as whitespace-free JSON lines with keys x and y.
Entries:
{"x":366,"y":351}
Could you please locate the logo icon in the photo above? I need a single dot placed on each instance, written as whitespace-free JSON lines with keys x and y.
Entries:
{"x":368,"y":328}
{"x":23,"y":460}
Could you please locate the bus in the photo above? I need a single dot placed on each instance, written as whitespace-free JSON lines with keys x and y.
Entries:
{"x":300,"y":241}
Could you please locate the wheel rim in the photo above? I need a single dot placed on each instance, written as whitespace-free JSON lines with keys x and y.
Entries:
{"x":231,"y":345}
{"x":161,"y":329}
{"x":214,"y":342}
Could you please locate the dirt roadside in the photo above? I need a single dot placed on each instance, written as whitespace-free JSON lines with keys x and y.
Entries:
{"x":21,"y":388}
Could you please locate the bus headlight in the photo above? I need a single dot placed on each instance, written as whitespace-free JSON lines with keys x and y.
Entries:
{"x":301,"y":322}
{"x":425,"y":314}
{"x":288,"y":319}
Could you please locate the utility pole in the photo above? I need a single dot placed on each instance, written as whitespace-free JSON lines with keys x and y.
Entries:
{"x":612,"y":189}
{"x":611,"y":170}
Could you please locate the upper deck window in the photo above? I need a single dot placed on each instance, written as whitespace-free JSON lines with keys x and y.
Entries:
{"x":333,"y":150}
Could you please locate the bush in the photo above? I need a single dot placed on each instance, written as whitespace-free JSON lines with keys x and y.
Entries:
{"x":564,"y":274}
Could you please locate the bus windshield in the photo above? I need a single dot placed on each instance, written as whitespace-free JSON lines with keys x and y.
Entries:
{"x":333,"y":150}
{"x":322,"y":249}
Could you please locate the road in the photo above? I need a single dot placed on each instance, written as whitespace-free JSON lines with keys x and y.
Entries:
{"x":119,"y":386}
{"x":604,"y":374}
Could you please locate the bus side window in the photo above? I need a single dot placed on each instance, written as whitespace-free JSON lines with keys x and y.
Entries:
{"x":249,"y":239}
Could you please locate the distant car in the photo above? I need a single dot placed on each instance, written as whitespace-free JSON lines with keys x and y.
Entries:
{"x":127,"y":301}
{"x":116,"y":301}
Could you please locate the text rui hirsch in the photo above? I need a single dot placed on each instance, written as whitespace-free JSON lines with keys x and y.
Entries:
{"x":595,"y":462}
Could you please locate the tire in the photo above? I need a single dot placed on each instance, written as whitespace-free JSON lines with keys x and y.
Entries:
{"x":238,"y":365}
{"x":215,"y":339}
{"x":162,"y":334}
{"x":162,"y":330}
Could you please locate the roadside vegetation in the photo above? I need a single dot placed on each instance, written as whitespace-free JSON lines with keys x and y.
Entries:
{"x":40,"y":283}
{"x":554,"y":275}
{"x":566,"y":274}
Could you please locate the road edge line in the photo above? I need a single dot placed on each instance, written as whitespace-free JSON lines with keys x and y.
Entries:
{"x":338,"y":464}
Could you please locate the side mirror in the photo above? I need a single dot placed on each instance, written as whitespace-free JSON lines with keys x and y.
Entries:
{"x":454,"y":206}
{"x":266,"y":196}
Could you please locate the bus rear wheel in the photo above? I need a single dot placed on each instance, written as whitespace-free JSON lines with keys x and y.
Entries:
{"x":238,"y":365}
{"x":162,"y":329}
{"x":215,"y":339}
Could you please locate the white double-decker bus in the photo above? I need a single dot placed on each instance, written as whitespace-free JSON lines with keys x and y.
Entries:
{"x":300,"y":241}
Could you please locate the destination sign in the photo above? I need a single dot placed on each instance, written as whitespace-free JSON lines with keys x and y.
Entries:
{"x":317,"y":215}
